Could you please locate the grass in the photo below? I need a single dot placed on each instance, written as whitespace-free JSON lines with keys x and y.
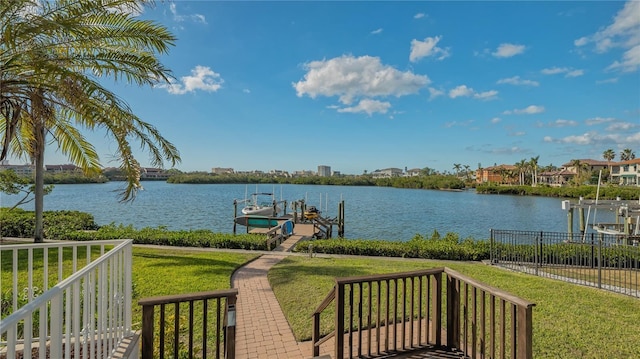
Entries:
{"x":178,"y":271}
{"x":569,"y":321}
{"x":155,"y":271}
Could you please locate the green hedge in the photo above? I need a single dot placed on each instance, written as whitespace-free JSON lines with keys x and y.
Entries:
{"x":162,"y":236}
{"x":588,"y":192}
{"x":449,"y":247}
{"x":20,"y":223}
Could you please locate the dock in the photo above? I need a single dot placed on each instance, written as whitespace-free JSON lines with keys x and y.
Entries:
{"x":291,"y":227}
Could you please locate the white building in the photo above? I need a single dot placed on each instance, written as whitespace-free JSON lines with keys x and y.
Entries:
{"x":324,"y":171}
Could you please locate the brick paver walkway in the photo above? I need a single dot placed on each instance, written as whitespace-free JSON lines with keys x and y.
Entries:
{"x":261,"y":328}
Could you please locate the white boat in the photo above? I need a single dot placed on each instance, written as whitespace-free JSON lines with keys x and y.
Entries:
{"x":257,"y":205}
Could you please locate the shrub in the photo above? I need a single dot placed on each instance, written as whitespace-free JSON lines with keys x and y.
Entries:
{"x":20,"y":223}
{"x":448,"y":247}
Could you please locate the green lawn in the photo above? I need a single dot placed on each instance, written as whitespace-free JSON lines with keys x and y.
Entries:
{"x":176,"y":271}
{"x":569,"y":321}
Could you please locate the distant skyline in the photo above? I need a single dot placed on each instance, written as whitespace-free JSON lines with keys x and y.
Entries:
{"x":360,"y":86}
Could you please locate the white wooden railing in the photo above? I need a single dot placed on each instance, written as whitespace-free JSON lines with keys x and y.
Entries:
{"x":86,"y":314}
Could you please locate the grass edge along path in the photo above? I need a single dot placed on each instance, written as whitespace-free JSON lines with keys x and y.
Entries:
{"x":569,"y":321}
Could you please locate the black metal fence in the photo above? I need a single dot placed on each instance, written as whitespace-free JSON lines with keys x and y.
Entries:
{"x":606,"y":261}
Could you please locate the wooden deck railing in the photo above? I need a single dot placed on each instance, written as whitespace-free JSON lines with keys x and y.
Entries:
{"x":428,"y":309}
{"x":189,"y":336}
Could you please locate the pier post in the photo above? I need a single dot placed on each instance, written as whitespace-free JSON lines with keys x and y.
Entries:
{"x":581,"y":220}
{"x":235,"y":214}
{"x":570,"y":221}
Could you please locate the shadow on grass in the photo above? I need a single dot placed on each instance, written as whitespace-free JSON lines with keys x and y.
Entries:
{"x":205,"y":265}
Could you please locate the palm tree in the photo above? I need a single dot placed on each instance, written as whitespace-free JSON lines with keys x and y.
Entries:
{"x":467,"y":173}
{"x":609,"y":155}
{"x":627,"y":154}
{"x":457,"y":167}
{"x":53,"y":55}
{"x":521,"y":166}
{"x":534,"y":165}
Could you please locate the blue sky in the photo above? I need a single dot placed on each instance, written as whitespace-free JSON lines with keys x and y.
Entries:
{"x":369,"y":85}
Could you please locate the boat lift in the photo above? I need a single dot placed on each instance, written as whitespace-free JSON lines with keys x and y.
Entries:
{"x":627,"y":215}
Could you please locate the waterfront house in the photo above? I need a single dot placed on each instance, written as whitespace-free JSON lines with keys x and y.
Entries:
{"x":222,"y":171}
{"x":626,"y":173}
{"x":557,"y":178}
{"x":585,"y":165}
{"x":387,"y":173}
{"x":506,"y":174}
{"x":20,"y":170}
{"x":150,"y":173}
{"x":68,"y":168}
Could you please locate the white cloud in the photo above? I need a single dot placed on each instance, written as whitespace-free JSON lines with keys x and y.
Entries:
{"x":356,"y":77}
{"x":420,"y":49}
{"x":202,"y":78}
{"x":563,"y":123}
{"x":575,"y":73}
{"x":246,"y":91}
{"x":624,"y":33}
{"x":434,"y":92}
{"x":496,"y":120}
{"x":519,"y":133}
{"x":554,"y":70}
{"x":419,"y":15}
{"x":567,"y":71}
{"x":516,"y":80}
{"x":621,"y":126}
{"x":581,"y":41}
{"x":487,"y":95}
{"x":598,"y":120}
{"x":368,"y":106}
{"x":630,"y":60}
{"x":376,"y":31}
{"x":594,"y":138}
{"x":198,"y":18}
{"x":508,"y":50}
{"x":529,"y":110}
{"x":464,"y":91}
{"x":461,"y":91}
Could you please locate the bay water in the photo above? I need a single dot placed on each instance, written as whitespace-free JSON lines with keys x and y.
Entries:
{"x":370,"y":212}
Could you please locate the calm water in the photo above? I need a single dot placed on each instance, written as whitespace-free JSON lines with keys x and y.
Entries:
{"x":370,"y":212}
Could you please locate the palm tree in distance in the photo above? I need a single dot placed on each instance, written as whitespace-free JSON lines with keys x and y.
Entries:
{"x":627,"y":154}
{"x":521,"y":167}
{"x":53,"y":55}
{"x":609,"y":155}
{"x":457,"y":167}
{"x":534,"y":166}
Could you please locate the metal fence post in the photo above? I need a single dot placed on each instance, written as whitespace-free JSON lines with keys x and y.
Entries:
{"x":600,"y":261}
{"x":491,"y":247}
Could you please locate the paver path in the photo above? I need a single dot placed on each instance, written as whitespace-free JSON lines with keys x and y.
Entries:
{"x":261,"y":328}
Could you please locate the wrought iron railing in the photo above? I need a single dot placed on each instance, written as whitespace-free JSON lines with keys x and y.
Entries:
{"x":606,"y":261}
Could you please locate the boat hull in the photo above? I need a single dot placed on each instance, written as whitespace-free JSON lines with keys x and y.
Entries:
{"x":257,"y":221}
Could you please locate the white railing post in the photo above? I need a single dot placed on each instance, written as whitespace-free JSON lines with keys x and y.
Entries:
{"x":55,"y":345}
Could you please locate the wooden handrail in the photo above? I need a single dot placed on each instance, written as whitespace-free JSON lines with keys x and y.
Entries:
{"x":224,"y":322}
{"x":487,"y":288}
{"x":389,"y":313}
{"x":388,"y":276}
{"x":326,"y":301}
{"x":169,"y":299}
